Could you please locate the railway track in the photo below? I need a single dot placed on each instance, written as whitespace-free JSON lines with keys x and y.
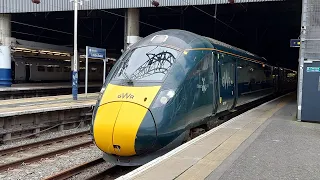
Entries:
{"x":41,"y":143}
{"x":110,"y":172}
{"x":75,"y":170}
{"x":35,"y":158}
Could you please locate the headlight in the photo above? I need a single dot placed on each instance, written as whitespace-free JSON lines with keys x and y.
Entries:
{"x":102,"y":89}
{"x":163,"y":98}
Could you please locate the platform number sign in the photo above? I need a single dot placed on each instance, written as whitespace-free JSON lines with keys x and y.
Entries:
{"x":95,"y":53}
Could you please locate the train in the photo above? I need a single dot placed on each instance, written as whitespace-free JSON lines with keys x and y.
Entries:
{"x":170,"y":83}
{"x":34,"y":70}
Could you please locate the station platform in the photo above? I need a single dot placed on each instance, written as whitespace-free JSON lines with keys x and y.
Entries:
{"x":26,"y":117}
{"x":266,"y":142}
{"x":16,"y":107}
{"x":45,"y":86}
{"x":30,"y":90}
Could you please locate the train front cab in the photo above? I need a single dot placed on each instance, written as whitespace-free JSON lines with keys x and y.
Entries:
{"x":143,"y":108}
{"x":124,"y":124}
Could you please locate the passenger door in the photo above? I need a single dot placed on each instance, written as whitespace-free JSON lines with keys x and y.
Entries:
{"x":226,"y":76}
{"x":205,"y":86}
{"x":214,"y":79}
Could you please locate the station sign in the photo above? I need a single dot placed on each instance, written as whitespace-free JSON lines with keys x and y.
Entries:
{"x":96,"y":53}
{"x":313,"y":69}
{"x":294,"y":42}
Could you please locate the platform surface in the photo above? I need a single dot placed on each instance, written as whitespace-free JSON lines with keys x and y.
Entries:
{"x":22,"y":106}
{"x":264,"y":143}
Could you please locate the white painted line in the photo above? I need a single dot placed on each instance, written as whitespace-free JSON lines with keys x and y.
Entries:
{"x":158,"y":160}
{"x":30,"y":88}
{"x":36,"y":100}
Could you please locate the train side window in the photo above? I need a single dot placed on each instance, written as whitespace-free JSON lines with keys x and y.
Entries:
{"x":41,"y":68}
{"x":82,"y":69}
{"x":268,"y":74}
{"x":50,"y":69}
{"x":66,"y":69}
{"x":206,"y":62}
{"x":93,"y":69}
{"x":290,"y":75}
{"x":253,"y":72}
{"x":242,"y":68}
{"x":58,"y":69}
{"x":100,"y":70}
{"x":202,"y":66}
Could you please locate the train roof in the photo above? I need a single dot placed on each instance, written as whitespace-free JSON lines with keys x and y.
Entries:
{"x":226,"y":47}
{"x":175,"y":38}
{"x":182,"y":39}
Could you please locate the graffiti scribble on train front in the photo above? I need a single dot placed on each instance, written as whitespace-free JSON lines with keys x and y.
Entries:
{"x":157,"y":63}
{"x":150,"y":63}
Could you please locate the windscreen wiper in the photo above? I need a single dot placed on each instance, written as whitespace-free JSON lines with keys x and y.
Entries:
{"x":129,"y":80}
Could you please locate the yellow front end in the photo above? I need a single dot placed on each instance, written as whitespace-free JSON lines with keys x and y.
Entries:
{"x":118,"y":117}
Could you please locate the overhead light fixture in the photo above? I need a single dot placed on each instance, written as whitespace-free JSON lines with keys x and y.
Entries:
{"x":35,"y":1}
{"x":19,"y":48}
{"x":155,"y":3}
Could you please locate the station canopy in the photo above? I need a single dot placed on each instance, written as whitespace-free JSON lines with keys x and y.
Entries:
{"x":19,"y":6}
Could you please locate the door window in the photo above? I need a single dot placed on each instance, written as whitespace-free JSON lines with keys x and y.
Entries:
{"x":226,"y":81}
